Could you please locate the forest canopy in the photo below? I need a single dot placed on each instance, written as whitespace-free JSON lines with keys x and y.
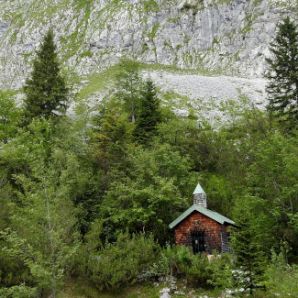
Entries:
{"x":92,"y":196}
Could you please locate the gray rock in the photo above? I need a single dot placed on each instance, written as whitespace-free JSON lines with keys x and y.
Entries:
{"x":230,"y":37}
{"x":165,"y":293}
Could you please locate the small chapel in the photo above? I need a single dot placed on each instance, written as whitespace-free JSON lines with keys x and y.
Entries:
{"x":202,"y":229}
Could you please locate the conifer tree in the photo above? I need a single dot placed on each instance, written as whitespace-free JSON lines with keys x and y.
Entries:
{"x":283,"y":74}
{"x":149,"y":114}
{"x":46,"y":91}
{"x":250,"y":256}
{"x":250,"y":239}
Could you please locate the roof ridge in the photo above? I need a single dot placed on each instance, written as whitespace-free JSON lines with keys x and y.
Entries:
{"x":205,"y":211}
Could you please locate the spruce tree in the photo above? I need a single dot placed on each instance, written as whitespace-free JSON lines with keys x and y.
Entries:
{"x":149,"y":114}
{"x":46,"y":91}
{"x":283,"y":74}
{"x":250,"y":256}
{"x":249,"y":241}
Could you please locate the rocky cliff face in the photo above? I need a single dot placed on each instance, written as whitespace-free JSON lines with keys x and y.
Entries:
{"x":225,"y":36}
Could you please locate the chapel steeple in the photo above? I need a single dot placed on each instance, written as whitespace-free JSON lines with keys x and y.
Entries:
{"x":199,"y":196}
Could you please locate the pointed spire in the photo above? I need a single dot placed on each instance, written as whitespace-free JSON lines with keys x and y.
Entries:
{"x":199,"y":196}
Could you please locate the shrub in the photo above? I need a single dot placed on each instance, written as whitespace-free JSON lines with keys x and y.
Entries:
{"x":18,"y":292}
{"x":221,"y":272}
{"x":174,"y":260}
{"x":13,"y":269}
{"x":123,"y":263}
{"x":198,"y":271}
{"x":281,"y":278}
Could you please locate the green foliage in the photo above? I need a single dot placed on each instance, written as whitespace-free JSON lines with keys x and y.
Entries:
{"x":150,"y":193}
{"x":220,"y":193}
{"x":153,"y":31}
{"x":197,"y":269}
{"x":9,"y":117}
{"x":149,"y":114}
{"x":110,"y":136}
{"x":150,"y":6}
{"x":123,"y":263}
{"x":46,"y":93}
{"x":21,"y":291}
{"x":252,"y":239}
{"x":283,"y":68}
{"x":13,"y":270}
{"x":281,"y":278}
{"x":43,"y":186}
{"x":129,"y":86}
{"x":98,"y":81}
{"x":221,"y":272}
{"x":186,"y":136}
{"x":273,"y":177}
{"x":44,"y":219}
{"x":181,"y":261}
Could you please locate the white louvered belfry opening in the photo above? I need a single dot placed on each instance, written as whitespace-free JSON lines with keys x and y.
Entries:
{"x":200,"y":199}
{"x":199,"y":196}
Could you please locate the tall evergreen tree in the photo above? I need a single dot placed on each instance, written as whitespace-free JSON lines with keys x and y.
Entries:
{"x":251,"y":239}
{"x":283,"y":74}
{"x":46,"y":91}
{"x":149,"y":114}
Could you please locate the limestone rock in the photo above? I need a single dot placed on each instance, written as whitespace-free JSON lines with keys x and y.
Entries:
{"x":229,"y":37}
{"x":165,"y":293}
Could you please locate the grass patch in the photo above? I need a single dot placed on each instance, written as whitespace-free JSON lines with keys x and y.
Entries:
{"x":176,"y":100}
{"x":174,"y":69}
{"x":82,"y":289}
{"x":153,"y":31}
{"x":99,"y":81}
{"x":150,"y":6}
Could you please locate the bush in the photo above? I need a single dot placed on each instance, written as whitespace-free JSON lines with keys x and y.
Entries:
{"x":123,"y":263}
{"x":18,"y":292}
{"x":221,"y":272}
{"x":174,"y":260}
{"x":198,"y":271}
{"x":13,"y":269}
{"x":281,"y":278}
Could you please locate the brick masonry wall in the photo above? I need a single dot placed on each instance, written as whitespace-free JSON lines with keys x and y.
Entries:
{"x":197,"y":221}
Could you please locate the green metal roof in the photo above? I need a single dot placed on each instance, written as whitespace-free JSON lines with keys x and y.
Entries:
{"x":209,"y":213}
{"x":199,"y":189}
